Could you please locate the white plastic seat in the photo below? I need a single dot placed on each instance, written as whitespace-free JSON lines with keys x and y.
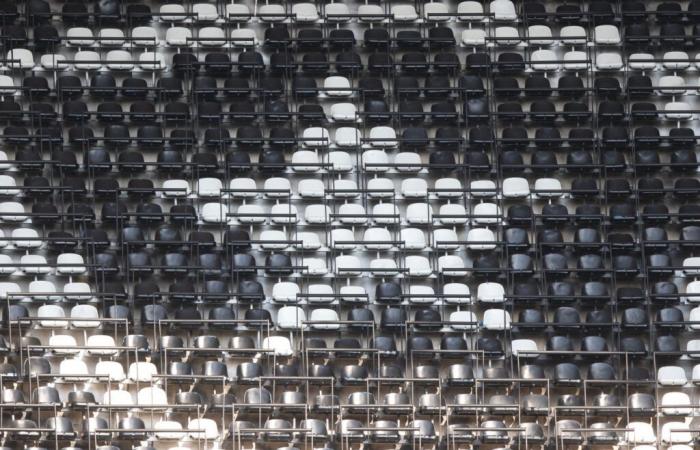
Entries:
{"x":608,"y":61}
{"x":463,"y":321}
{"x":414,"y":187}
{"x":117,"y":397}
{"x":544,"y":60}
{"x":178,"y":37}
{"x":678,"y":110}
{"x":693,"y":349}
{"x":290,"y":318}
{"x":152,"y":396}
{"x":119,"y":60}
{"x":244,"y":37}
{"x":606,"y":35}
{"x":676,"y":60}
{"x":315,"y":137}
{"x":448,"y":188}
{"x":435,"y":12}
{"x":271,"y":13}
{"x":77,"y":290}
{"x":419,"y":213}
{"x":144,"y":36}
{"x":386,"y":213}
{"x":693,"y":289}
{"x":214,"y":212}
{"x":103,"y":344}
{"x":320,"y":293}
{"x":172,"y":12}
{"x":515,"y":187}
{"x":456,"y":293}
{"x":7,"y":86}
{"x":452,"y":266}
{"x":51,"y":316}
{"x":523,"y":347}
{"x":308,"y":240}
{"x":676,"y":433}
{"x":348,"y":266}
{"x":277,"y":187}
{"x":142,"y":371}
{"x":7,"y":288}
{"x":445,"y":239}
{"x":453,"y":214}
{"x":345,"y":189}
{"x":412,"y":238}
{"x":317,"y":214}
{"x":343,"y":112}
{"x":311,"y":188}
{"x":575,"y":60}
{"x":87,"y":60}
{"x":503,"y":10}
{"x":51,"y":61}
{"x":176,"y":188}
{"x":305,"y":12}
{"x":34,"y":264}
{"x":111,"y":37}
{"x":404,"y":162}
{"x":496,"y":319}
{"x":418,"y":266}
{"x":284,"y":213}
{"x":238,"y":12}
{"x":695,"y":375}
{"x":324,"y":315}
{"x":419,"y":294}
{"x":380,"y":188}
{"x":211,"y":37}
{"x":301,"y":158}
{"x":73,"y":369}
{"x":404,"y":13}
{"x":343,"y":239}
{"x":474,"y":37}
{"x":481,"y":239}
{"x":337,"y":12}
{"x":347,"y":137}
{"x":641,"y":61}
{"x":671,"y":376}
{"x":111,"y":370}
{"x":7,"y":268}
{"x":315,"y":267}
{"x":339,"y":161}
{"x":270,"y":240}
{"x":25,"y":238}
{"x":353,"y":293}
{"x":540,"y":35}
{"x":352,"y":213}
{"x":675,"y":404}
{"x":63,"y":344}
{"x":490,"y":292}
{"x":640,"y":433}
{"x":572,"y":35}
{"x":20,"y":58}
{"x":383,"y":136}
{"x":376,"y":238}
{"x":672,"y":84}
{"x":548,"y":188}
{"x":285,"y":292}
{"x":84,"y":313}
{"x":370,"y":13}
{"x":152,"y":61}
{"x":80,"y":36}
{"x":486,"y":213}
{"x":203,"y":428}
{"x":470,"y":11}
{"x":482,"y":188}
{"x":12,"y":212}
{"x":38,"y":289}
{"x":691,"y":266}
{"x":74,"y":264}
{"x":506,"y":35}
{"x":383,"y":267}
{"x":205,"y":12}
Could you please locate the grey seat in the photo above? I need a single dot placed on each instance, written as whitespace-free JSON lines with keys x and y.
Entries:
{"x":641,"y":404}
